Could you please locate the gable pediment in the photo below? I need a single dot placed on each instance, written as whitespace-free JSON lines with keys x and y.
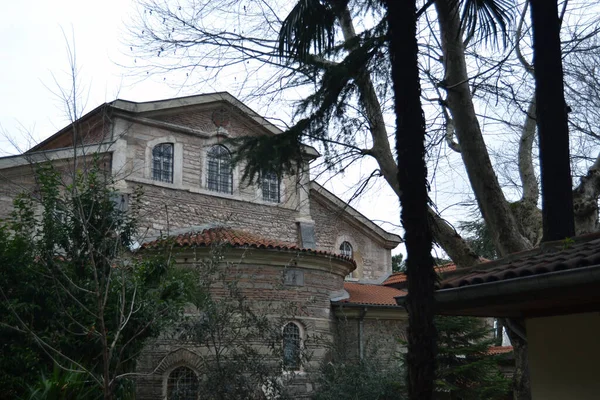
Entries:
{"x":211,"y":119}
{"x":211,"y":114}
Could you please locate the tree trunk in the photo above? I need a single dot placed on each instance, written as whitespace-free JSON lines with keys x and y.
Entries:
{"x":585,"y":200}
{"x":531,"y":192}
{"x":490,"y":198}
{"x":412,"y":178}
{"x":444,"y":234}
{"x":484,"y":182}
{"x":521,"y":374}
{"x":553,"y":129}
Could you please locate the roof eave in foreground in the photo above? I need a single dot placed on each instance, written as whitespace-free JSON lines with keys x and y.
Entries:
{"x":342,"y":304}
{"x":552,"y":293}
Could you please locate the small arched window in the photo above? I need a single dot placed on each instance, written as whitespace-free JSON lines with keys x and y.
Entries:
{"x":162,"y":162}
{"x":291,"y":347}
{"x":219,"y":170}
{"x":346,"y":249}
{"x":270,"y":187}
{"x":182,"y":384}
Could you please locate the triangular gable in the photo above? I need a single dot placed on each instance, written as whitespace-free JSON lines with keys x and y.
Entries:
{"x":328,"y":199}
{"x":197,"y":112}
{"x":205,"y":113}
{"x":92,"y":128}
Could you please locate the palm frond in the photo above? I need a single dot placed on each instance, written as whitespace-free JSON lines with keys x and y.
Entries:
{"x":284,"y":153}
{"x":486,"y":20}
{"x":309,"y":26}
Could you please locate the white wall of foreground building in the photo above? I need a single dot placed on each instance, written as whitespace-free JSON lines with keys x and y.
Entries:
{"x":564,"y":357}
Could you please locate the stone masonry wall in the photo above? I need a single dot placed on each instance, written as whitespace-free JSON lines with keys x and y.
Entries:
{"x":22,"y":179}
{"x":382,"y":339}
{"x":14,"y":181}
{"x":187,"y":201}
{"x":201,"y":117}
{"x":142,"y":137}
{"x":332,"y":228}
{"x":170,"y":209}
{"x":263,"y":285}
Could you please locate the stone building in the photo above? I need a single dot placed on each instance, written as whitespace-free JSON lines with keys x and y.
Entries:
{"x":298,"y":240}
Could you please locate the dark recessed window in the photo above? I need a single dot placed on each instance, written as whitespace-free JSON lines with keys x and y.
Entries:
{"x":219,"y":170}
{"x":182,"y":384}
{"x":291,"y":347}
{"x":346,"y":249}
{"x":270,"y":187}
{"x":162,"y":162}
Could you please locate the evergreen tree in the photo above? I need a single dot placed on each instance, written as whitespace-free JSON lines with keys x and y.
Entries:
{"x":465,"y":369}
{"x":398,"y":264}
{"x":477,"y":234}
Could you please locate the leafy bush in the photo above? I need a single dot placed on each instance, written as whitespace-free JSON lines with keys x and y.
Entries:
{"x":367,"y":379}
{"x":72,"y":293}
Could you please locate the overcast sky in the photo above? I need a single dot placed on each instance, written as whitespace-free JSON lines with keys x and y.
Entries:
{"x":34,"y":61}
{"x":33,"y":53}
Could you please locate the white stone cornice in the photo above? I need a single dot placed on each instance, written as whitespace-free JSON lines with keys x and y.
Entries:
{"x":53,"y":155}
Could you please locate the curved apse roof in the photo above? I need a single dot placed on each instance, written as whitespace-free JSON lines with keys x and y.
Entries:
{"x":236,"y":238}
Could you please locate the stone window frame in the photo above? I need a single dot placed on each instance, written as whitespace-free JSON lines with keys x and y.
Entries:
{"x":223,"y":153}
{"x":177,"y":160}
{"x":144,"y":172}
{"x":302,"y":338}
{"x":354,"y":275}
{"x":270,"y":178}
{"x":283,"y":195}
{"x":235,"y":194}
{"x":169,"y":371}
{"x":163,"y":153}
{"x":346,"y":249}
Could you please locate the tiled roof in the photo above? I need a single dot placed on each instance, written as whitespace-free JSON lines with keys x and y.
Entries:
{"x":396,"y":277}
{"x":495,"y":350}
{"x":550,"y":257}
{"x":400,"y":277}
{"x":236,"y":238}
{"x":371,"y":294}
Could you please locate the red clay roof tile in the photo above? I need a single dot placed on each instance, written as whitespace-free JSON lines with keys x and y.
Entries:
{"x":235,"y":238}
{"x":550,"y":257}
{"x":495,"y":350}
{"x":371,"y":294}
{"x":400,"y":277}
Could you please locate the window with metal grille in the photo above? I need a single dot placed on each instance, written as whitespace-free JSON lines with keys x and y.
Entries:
{"x":219,"y":170}
{"x":162,"y":162}
{"x":346,"y":249}
{"x":270,"y":187}
{"x":291,"y":347}
{"x":182,"y":384}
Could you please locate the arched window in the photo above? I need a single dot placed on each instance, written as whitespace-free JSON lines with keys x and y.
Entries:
{"x":162,"y":162}
{"x":291,"y":346}
{"x":219,"y":170}
{"x":346,"y":249}
{"x":182,"y":384}
{"x":270,"y":187}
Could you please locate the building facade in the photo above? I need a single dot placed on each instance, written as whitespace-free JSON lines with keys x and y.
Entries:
{"x":178,"y":153}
